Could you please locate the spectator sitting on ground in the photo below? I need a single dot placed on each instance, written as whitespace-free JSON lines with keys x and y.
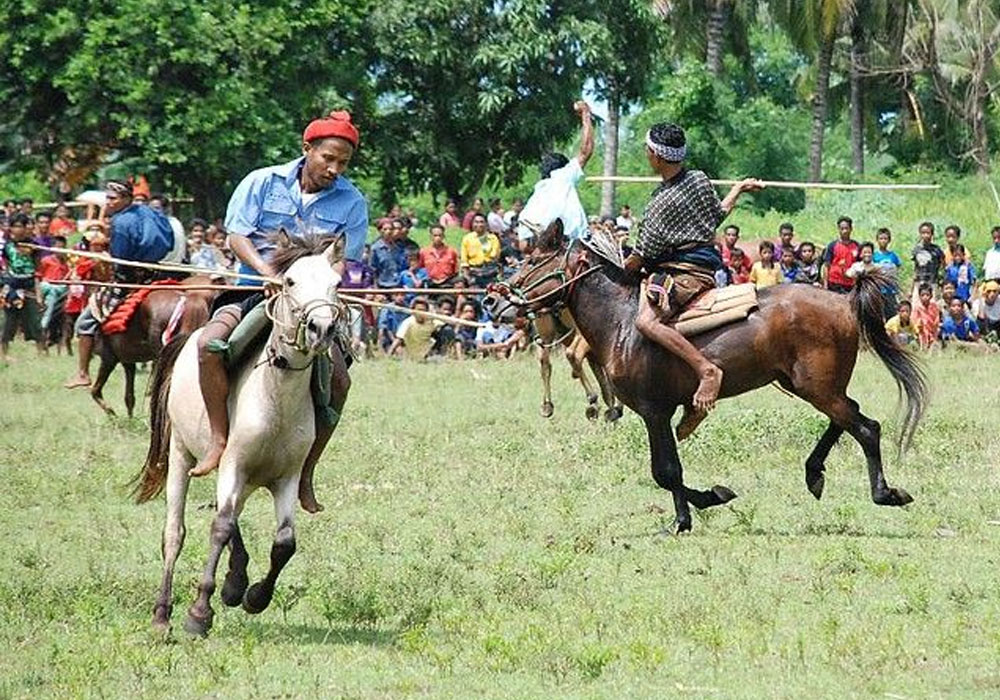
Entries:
{"x":902,"y":327}
{"x":947,"y":294}
{"x":466,"y":335}
{"x":961,"y":272}
{"x":388,"y":321}
{"x":838,"y":256}
{"x":809,"y":272}
{"x":926,"y":316}
{"x":439,"y":259}
{"x":739,"y":270}
{"x":991,"y":261}
{"x":765,"y":273}
{"x":951,"y":236}
{"x":415,"y":334}
{"x":480,"y":254}
{"x":499,"y":340}
{"x":789,"y":266}
{"x":413,"y":277}
{"x":987,"y":308}
{"x":958,"y":325}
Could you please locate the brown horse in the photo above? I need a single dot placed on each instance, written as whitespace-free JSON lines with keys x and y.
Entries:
{"x":557,"y":329}
{"x":141,"y":341}
{"x":804,"y":338}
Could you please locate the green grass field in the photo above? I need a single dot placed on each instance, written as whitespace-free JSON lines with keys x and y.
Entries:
{"x":472,"y":549}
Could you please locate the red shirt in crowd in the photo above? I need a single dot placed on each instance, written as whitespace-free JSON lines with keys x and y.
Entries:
{"x":839,"y":256}
{"x":52,"y":267}
{"x":441,"y":263}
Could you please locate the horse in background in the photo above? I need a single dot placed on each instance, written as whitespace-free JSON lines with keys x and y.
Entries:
{"x":555,"y":329}
{"x":272,"y":426}
{"x":143,"y":336}
{"x":800,"y":336}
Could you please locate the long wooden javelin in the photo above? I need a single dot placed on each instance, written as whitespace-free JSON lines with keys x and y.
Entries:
{"x":776,"y":183}
{"x":163,"y":267}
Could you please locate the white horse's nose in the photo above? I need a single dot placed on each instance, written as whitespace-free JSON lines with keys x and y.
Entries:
{"x":319,"y":330}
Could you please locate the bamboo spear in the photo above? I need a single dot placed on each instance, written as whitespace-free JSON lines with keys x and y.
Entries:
{"x":777,"y":183}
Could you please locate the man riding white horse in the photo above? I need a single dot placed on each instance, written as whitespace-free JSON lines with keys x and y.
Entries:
{"x":308,"y":195}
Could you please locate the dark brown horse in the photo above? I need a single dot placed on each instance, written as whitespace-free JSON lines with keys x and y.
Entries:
{"x":141,"y":341}
{"x":804,"y":338}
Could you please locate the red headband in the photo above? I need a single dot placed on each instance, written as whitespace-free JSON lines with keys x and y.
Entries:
{"x":337,"y":124}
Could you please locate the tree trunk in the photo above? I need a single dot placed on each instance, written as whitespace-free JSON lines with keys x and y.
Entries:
{"x":980,"y":137}
{"x":819,"y":110}
{"x":610,"y":153}
{"x":714,"y":31}
{"x":857,"y":92}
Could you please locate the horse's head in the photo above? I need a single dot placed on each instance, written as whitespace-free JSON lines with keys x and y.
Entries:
{"x":306,"y":309}
{"x":544,"y":280}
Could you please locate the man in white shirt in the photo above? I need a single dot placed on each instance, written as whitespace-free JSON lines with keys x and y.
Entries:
{"x":494,"y":220}
{"x":991,"y":264}
{"x":555,"y":196}
{"x":160,"y":203}
{"x":625,"y":219}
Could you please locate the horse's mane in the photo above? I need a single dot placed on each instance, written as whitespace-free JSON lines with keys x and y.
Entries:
{"x":609,"y":253}
{"x":293,"y":248}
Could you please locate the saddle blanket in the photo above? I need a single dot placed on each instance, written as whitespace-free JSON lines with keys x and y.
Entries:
{"x":715,"y":308}
{"x":117,"y":320}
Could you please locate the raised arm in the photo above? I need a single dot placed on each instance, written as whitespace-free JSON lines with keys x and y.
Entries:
{"x":586,"y":132}
{"x":750,"y":184}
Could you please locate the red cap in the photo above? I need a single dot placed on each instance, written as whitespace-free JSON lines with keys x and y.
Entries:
{"x":337,"y":124}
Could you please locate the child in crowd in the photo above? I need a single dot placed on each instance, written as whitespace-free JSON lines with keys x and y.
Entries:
{"x":961,"y":273}
{"x":947,"y":294}
{"x":789,"y":266}
{"x":497,"y":339}
{"x":808,"y":267}
{"x":958,"y":325}
{"x":764,"y":272}
{"x":987,"y":308}
{"x":416,"y":333}
{"x":466,"y":335}
{"x":901,"y":327}
{"x":414,"y":276}
{"x":20,"y":294}
{"x":951,"y":236}
{"x":786,"y":232}
{"x":51,"y":268}
{"x":388,"y":321}
{"x":739,"y":271}
{"x":926,"y":316}
{"x":865,"y":261}
{"x":883,"y":256}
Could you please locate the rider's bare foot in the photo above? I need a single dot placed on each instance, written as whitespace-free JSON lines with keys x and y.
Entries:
{"x":77,"y":381}
{"x":308,"y":499}
{"x":689,"y":422}
{"x":210,"y":462}
{"x":708,"y":389}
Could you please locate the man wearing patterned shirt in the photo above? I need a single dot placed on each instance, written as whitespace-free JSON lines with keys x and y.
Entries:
{"x":676,"y":246}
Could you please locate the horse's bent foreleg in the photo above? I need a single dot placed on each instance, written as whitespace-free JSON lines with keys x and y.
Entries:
{"x":129,"y":368}
{"x":614,"y":409}
{"x":236,"y":581}
{"x":108,"y":363}
{"x":545,"y":365}
{"x":173,"y":530}
{"x":259,"y":595}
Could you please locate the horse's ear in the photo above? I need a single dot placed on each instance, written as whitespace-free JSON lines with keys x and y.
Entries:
{"x":335,"y":251}
{"x":552,"y":238}
{"x":282,"y":239}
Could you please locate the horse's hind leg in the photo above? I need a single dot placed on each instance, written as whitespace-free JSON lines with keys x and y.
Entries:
{"x":575,"y":355}
{"x":545,"y":365}
{"x":258,"y":596}
{"x":173,"y":530}
{"x":129,"y":368}
{"x":614,"y":409}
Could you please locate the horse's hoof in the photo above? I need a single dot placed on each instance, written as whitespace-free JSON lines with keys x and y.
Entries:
{"x":723,"y":493}
{"x":161,"y":618}
{"x":682,"y":525}
{"x":893,"y":497}
{"x":815,"y":484}
{"x":258,"y":597}
{"x":547,"y":409}
{"x":198,"y":626}
{"x":592,"y":412}
{"x":234,"y":587}
{"x":612,"y":414}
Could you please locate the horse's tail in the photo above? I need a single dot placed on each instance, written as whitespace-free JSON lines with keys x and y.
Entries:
{"x":868,"y":301}
{"x":153,"y":475}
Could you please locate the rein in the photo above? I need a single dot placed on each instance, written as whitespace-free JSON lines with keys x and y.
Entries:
{"x":561,"y":274}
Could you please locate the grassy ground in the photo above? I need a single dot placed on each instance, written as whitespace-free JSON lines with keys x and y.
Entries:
{"x":470,"y":548}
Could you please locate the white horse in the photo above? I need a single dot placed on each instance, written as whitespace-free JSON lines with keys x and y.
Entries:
{"x":271,"y":429}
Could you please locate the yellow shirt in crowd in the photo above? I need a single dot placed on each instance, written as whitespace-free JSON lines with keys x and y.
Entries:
{"x":476,"y":252}
{"x":765,"y":277}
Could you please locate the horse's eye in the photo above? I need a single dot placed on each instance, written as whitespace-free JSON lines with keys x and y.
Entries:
{"x":289,"y":282}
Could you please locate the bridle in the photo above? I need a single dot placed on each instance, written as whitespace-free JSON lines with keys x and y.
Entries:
{"x":516,"y":295}
{"x":282,"y":306}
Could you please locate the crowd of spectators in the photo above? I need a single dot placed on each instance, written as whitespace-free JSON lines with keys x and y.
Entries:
{"x":950,"y":299}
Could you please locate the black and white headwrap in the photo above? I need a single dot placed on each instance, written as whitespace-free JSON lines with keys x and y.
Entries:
{"x":671,"y":154}
{"x":122,"y":188}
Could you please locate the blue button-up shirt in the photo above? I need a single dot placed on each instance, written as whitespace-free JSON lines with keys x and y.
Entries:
{"x":385,"y":262}
{"x":141,"y":234}
{"x":271,"y":199}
